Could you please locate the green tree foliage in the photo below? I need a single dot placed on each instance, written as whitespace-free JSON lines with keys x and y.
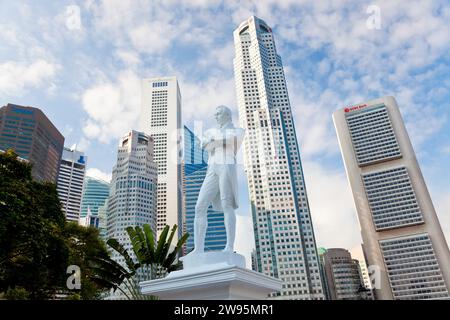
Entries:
{"x":18,"y":293}
{"x":36,"y":243}
{"x":33,"y":252}
{"x":84,"y":244}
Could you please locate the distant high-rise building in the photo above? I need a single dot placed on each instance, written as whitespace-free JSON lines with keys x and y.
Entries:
{"x":95,"y":193}
{"x":33,"y":137}
{"x":88,"y":220}
{"x":195,"y":168}
{"x":161,"y":119}
{"x":342,"y":275}
{"x":70,"y":182}
{"x":358,"y":254}
{"x":284,"y":235}
{"x":402,"y":237}
{"x":132,"y":197}
{"x":254,"y":261}
{"x":321,"y":252}
{"x":102,"y":218}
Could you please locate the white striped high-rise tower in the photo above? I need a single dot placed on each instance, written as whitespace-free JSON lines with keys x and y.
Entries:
{"x":284,"y":236}
{"x":70,"y":182}
{"x":161,"y":119}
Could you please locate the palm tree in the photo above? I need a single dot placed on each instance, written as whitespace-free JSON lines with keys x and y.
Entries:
{"x":153,"y":261}
{"x":155,"y":258}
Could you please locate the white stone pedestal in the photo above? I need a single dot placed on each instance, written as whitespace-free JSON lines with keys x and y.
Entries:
{"x":212,"y":276}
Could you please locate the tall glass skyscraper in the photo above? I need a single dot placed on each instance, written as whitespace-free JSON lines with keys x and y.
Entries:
{"x":95,"y":193}
{"x":34,"y":138}
{"x":195,"y":167}
{"x":402,"y":236}
{"x":284,"y":235}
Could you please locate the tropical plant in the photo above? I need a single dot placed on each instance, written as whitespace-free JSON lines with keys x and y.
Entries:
{"x":153,"y":261}
{"x":155,"y":258}
{"x":110,"y":274}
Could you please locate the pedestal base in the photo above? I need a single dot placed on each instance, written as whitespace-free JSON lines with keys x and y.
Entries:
{"x":209,"y":260}
{"x":212,"y":276}
{"x":229,"y":283}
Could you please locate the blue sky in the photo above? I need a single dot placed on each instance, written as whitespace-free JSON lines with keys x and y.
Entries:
{"x":85,"y":74}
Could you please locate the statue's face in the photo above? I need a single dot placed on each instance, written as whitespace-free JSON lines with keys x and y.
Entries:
{"x":221,"y":116}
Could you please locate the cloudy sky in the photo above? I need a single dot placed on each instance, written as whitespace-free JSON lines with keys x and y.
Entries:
{"x":82,"y":61}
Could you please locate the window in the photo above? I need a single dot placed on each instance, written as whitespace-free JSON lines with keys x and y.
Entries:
{"x":391,"y":198}
{"x":372,"y":135}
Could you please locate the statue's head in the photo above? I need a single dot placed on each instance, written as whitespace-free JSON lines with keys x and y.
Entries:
{"x":222,"y":115}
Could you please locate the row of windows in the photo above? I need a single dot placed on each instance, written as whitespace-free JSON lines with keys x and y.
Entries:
{"x":369,"y":145}
{"x":412,"y":267}
{"x":391,"y":198}
{"x":159,"y":84}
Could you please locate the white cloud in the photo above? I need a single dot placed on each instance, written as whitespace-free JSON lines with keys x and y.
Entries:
{"x":219,"y":56}
{"x":128,"y":57}
{"x":152,"y":38}
{"x":113,"y":107}
{"x":17,"y":77}
{"x":446,"y":149}
{"x":332,"y":208}
{"x":98,"y":174}
{"x":202,"y":97}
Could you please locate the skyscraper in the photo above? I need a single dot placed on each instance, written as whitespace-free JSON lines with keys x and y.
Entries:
{"x":402,"y":237}
{"x":95,"y":193}
{"x":326,"y":291}
{"x":195,"y":167}
{"x":161,"y":119}
{"x":284,"y":236}
{"x":33,"y":137}
{"x":70,"y":182}
{"x":342,"y":275}
{"x":358,"y":254}
{"x":132,"y":199}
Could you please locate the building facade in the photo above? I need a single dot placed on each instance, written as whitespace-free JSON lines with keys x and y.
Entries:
{"x":70,"y":182}
{"x":402,"y":236}
{"x":194,"y":172}
{"x":95,"y":194}
{"x":343,"y":276}
{"x":161,"y":119}
{"x":132,"y":198}
{"x":33,"y":137}
{"x":284,"y":235}
{"x":358,"y":254}
{"x":321,"y":252}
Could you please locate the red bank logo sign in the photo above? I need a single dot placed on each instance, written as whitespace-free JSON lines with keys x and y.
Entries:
{"x":354,"y":108}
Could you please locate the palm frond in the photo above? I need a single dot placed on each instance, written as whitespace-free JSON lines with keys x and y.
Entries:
{"x":116,"y":245}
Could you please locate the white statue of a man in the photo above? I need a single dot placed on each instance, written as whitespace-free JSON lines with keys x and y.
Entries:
{"x":220,"y":184}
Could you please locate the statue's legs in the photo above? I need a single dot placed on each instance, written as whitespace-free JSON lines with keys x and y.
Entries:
{"x":230,"y":225}
{"x":227,"y":202}
{"x":208,"y":191}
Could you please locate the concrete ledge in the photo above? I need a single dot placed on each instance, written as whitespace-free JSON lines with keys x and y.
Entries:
{"x":225,"y":283}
